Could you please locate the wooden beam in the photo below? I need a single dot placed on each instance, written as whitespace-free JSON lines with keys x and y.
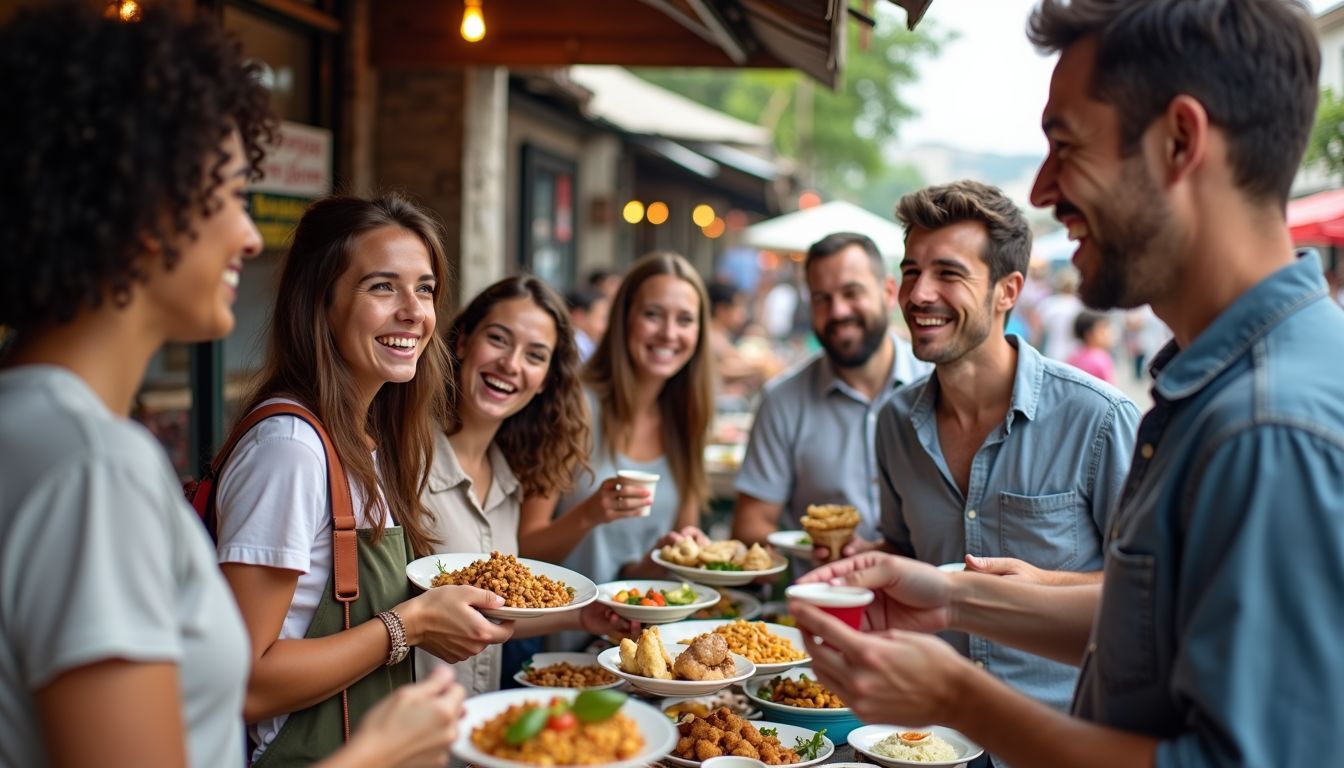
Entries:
{"x":723,"y":34}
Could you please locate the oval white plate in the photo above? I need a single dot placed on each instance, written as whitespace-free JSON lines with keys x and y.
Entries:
{"x":541,"y":660}
{"x":648,"y":614}
{"x":748,"y":607}
{"x":685,"y":630}
{"x":721,"y":578}
{"x":751,"y":714}
{"x":863,"y":739}
{"x":787,"y":542}
{"x":660,"y":735}
{"x":753,"y":685}
{"x":610,"y":660}
{"x":787,"y":734}
{"x":421,"y":572}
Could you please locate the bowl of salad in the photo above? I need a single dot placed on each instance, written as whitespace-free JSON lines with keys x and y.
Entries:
{"x":651,"y":601}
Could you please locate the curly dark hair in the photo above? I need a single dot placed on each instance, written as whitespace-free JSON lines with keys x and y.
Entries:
{"x":111,"y":142}
{"x":548,"y":439}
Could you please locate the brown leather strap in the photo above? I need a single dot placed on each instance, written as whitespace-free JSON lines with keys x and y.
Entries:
{"x":344,"y":544}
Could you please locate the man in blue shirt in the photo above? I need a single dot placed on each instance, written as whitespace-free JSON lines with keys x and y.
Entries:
{"x":1001,"y":453}
{"x":1175,"y":130}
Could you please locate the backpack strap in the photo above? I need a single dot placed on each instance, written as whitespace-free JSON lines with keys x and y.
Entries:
{"x":344,"y":548}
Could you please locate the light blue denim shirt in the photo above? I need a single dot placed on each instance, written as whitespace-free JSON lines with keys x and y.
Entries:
{"x":1042,"y":489}
{"x":1221,"y":625}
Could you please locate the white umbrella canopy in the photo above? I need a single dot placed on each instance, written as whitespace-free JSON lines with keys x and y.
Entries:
{"x":797,"y":231}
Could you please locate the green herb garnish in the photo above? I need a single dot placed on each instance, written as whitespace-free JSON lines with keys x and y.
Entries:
{"x":810,"y":749}
{"x":769,"y":732}
{"x":592,"y":706}
{"x":722,"y":567}
{"x":805,"y":541}
{"x":527,"y":725}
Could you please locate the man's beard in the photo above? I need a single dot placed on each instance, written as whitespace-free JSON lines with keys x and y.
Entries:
{"x":874,"y":331}
{"x":1135,"y":245}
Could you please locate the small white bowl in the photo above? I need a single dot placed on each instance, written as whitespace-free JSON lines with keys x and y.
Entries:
{"x":660,"y":735}
{"x":722,"y":761}
{"x":863,"y":739}
{"x":421,"y":572}
{"x":787,"y":735}
{"x":610,"y":660}
{"x":705,"y":597}
{"x":721,"y":578}
{"x":685,"y":630}
{"x":542,"y":660}
{"x":790,"y":543}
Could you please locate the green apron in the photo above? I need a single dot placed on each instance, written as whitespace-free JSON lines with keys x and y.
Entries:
{"x":312,"y":734}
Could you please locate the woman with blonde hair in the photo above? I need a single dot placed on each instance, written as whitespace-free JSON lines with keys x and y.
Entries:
{"x":517,"y":427}
{"x":353,"y":341}
{"x":650,"y":391}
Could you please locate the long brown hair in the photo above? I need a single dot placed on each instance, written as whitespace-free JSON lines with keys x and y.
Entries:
{"x":546,"y":440}
{"x":303,"y":362}
{"x":686,"y":401}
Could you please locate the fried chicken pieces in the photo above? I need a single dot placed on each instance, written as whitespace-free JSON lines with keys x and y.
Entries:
{"x":707,"y":658}
{"x":691,"y":553}
{"x":723,"y":733}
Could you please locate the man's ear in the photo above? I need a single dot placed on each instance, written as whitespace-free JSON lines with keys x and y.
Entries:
{"x":1184,"y":132}
{"x":890,"y":292}
{"x":1009,"y":290}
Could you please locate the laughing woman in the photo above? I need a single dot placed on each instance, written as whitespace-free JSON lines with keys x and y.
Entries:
{"x":352,"y":340}
{"x":517,"y":427}
{"x":650,"y":394}
{"x":126,"y":227}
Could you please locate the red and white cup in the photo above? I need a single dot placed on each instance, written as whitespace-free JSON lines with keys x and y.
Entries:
{"x":844,"y":603}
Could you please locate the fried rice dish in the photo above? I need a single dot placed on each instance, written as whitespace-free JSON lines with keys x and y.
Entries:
{"x":606,"y":741}
{"x":755,"y":641}
{"x":566,"y":675}
{"x":511,"y":580}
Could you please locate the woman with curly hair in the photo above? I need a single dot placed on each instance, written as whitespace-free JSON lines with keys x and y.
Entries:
{"x":517,"y":427}
{"x":352,"y":340}
{"x":651,"y":397}
{"x":124,"y":159}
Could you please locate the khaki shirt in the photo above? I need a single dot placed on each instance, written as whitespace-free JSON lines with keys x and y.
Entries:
{"x":462,"y":523}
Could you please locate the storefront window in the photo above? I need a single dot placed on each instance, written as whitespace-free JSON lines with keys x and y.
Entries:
{"x":547,"y":239}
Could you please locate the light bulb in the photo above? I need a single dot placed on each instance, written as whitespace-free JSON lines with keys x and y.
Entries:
{"x":473,"y":23}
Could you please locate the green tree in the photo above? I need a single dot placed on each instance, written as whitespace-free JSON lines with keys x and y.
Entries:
{"x":836,"y":137}
{"x":1326,"y":145}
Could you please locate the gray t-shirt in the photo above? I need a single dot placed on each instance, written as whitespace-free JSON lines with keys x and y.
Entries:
{"x":101,"y":558}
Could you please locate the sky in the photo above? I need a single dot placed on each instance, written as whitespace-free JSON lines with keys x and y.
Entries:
{"x":986,"y":89}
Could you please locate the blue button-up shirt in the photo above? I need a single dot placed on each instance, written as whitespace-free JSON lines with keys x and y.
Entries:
{"x":1221,"y":625}
{"x":1042,"y":488}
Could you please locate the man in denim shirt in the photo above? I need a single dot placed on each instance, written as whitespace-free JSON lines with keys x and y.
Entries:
{"x":1001,"y":453}
{"x":1175,"y":130}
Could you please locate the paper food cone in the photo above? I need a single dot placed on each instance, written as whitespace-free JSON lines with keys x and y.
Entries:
{"x":833,"y":539}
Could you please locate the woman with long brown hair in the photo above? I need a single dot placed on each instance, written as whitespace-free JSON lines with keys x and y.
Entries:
{"x":516,"y":427}
{"x":651,"y":399}
{"x":352,"y":340}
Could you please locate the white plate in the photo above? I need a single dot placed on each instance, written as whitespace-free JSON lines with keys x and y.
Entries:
{"x":648,"y":614}
{"x":788,"y":543}
{"x":422,"y":572}
{"x":610,"y":659}
{"x":685,"y":630}
{"x":721,"y":578}
{"x":863,"y":739}
{"x":751,"y":713}
{"x":787,"y":734}
{"x":660,"y":735}
{"x":541,"y":660}
{"x":753,"y":685}
{"x":747,"y":606}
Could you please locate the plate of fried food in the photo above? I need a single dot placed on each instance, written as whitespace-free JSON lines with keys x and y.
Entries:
{"x":771,"y":647}
{"x":565,"y":670}
{"x":704,"y":665}
{"x":723,"y":733}
{"x":655,"y":602}
{"x":795,"y":691}
{"x":831,"y":526}
{"x":719,"y":563}
{"x":527,"y":726}
{"x":530,"y":588}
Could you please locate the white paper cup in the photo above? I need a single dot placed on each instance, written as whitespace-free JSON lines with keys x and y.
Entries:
{"x":641,"y":480}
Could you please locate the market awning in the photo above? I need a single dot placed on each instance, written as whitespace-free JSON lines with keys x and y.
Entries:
{"x":797,"y":231}
{"x":1317,"y":219}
